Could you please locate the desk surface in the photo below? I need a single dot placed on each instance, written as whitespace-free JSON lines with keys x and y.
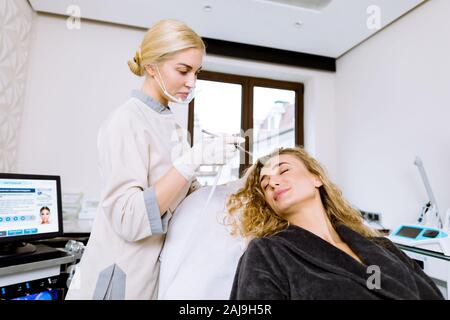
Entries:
{"x":424,"y":251}
{"x":43,"y":257}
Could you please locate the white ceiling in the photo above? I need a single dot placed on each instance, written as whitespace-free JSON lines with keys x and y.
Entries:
{"x":341,"y":25}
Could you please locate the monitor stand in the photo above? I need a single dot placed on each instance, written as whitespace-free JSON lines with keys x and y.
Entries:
{"x":27,"y":253}
{"x":16,"y":249}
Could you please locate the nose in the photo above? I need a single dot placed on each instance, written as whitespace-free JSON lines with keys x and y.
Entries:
{"x":274,"y":181}
{"x":190,"y":83}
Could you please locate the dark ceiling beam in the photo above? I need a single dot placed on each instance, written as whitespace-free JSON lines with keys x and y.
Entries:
{"x":285,"y":57}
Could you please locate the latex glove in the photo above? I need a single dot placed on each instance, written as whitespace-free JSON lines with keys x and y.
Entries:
{"x":213,"y":151}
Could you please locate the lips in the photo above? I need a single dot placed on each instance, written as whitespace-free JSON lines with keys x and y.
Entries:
{"x":183,"y":94}
{"x":280,"y":193}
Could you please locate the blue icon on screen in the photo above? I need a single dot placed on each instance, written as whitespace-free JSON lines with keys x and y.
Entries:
{"x":16,"y":218}
{"x":8,"y":219}
{"x":14,"y":232}
{"x":29,"y":231}
{"x":1,"y":219}
{"x":22,"y":218}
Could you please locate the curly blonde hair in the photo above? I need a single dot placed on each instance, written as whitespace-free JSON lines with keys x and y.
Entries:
{"x":250,"y":216}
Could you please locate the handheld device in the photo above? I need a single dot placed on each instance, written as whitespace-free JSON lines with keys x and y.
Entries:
{"x":428,"y":233}
{"x":422,"y":237}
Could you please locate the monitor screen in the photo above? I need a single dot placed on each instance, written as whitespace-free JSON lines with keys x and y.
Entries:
{"x":30,"y":207}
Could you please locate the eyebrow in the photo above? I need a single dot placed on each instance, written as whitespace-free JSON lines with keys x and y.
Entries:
{"x":277,"y":165}
{"x":188,"y":66}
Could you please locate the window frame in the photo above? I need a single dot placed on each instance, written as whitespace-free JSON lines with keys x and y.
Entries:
{"x":248,"y":83}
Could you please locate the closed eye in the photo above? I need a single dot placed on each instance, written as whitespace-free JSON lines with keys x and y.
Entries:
{"x":284,"y":171}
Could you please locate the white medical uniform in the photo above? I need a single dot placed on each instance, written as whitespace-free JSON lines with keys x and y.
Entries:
{"x":121,"y":258}
{"x":200,"y":256}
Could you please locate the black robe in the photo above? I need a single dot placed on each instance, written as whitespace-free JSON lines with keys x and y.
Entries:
{"x":297,"y":264}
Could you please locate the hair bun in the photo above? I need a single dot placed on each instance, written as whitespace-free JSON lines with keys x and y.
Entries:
{"x":135,"y":64}
{"x":138,"y":56}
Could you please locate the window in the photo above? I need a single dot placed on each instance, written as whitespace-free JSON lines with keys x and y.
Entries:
{"x":268,"y":113}
{"x":273,"y":120}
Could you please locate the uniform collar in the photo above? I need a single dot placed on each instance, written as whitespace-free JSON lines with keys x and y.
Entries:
{"x":149,"y":101}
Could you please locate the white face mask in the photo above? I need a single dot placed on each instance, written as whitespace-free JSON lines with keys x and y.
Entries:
{"x":172,"y":98}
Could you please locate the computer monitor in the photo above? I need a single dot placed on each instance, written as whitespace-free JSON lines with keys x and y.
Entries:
{"x":30,"y":209}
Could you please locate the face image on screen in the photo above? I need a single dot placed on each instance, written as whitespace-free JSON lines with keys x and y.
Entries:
{"x":28,"y":207}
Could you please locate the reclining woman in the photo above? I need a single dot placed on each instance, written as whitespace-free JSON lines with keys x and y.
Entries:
{"x":307,"y":242}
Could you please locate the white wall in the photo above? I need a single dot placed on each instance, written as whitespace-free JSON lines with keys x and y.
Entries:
{"x":77,"y":77}
{"x":16,"y":18}
{"x":393,"y":103}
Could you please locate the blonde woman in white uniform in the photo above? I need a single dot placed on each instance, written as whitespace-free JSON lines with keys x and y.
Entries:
{"x":145,"y":174}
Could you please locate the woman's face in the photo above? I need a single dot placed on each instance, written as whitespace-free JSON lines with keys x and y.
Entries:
{"x":179,"y":73}
{"x":45,"y":215}
{"x":287,"y":184}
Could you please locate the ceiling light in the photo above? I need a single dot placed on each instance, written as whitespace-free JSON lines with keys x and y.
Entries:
{"x":207,"y":8}
{"x":302,"y":4}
